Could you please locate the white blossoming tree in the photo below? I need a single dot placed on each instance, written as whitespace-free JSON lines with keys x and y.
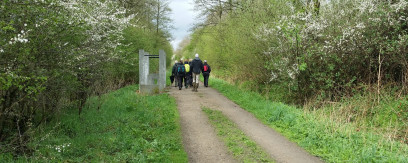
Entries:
{"x":55,"y":54}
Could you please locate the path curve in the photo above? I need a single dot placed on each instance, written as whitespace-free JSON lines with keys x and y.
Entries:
{"x":201,"y":142}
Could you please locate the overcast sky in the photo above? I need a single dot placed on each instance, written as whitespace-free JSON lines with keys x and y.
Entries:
{"x":183,"y":18}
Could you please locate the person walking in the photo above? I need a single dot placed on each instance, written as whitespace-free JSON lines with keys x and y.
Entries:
{"x":190,"y":61}
{"x":197,"y":67}
{"x":206,"y":73}
{"x":181,"y":72}
{"x":187,"y":78}
{"x":174,"y":73}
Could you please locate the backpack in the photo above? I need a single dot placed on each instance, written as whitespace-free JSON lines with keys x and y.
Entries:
{"x":205,"y":68}
{"x":181,"y":70}
{"x":187,"y":67}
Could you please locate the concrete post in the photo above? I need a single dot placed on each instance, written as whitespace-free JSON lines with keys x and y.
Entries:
{"x":146,"y":67}
{"x":147,"y":81}
{"x":143,"y":67}
{"x":162,"y":70}
{"x":141,"y":54}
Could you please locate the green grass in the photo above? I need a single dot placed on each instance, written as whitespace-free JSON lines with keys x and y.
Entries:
{"x":325,"y":138}
{"x":243,"y":148}
{"x":389,"y":117}
{"x":128,"y":128}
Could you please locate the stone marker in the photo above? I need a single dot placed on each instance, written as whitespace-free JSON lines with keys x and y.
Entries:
{"x":147,"y":82}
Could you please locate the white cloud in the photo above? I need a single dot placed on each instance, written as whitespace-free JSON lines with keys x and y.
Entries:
{"x":183,"y":17}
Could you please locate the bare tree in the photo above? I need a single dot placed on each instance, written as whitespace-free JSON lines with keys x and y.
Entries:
{"x":161,"y":19}
{"x":213,"y":11}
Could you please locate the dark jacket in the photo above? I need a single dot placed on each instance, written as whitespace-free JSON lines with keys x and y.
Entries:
{"x":209,"y":69}
{"x":196,"y":66}
{"x":174,"y":70}
{"x":178,"y":74}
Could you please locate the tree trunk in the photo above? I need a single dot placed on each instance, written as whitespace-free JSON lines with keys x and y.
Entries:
{"x":379,"y":78}
{"x":158,"y":17}
{"x":220,"y":9}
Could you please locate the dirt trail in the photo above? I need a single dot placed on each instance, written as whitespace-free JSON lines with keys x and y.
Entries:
{"x":199,"y":138}
{"x":201,"y":142}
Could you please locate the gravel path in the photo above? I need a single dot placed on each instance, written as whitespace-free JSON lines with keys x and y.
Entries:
{"x":201,"y":142}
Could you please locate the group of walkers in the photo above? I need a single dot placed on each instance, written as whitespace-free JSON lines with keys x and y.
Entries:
{"x":189,"y":72}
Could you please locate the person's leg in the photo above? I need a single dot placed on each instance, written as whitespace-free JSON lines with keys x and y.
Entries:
{"x":190,"y":80}
{"x":205,"y":77}
{"x":208,"y":77}
{"x":197,"y":76}
{"x":185,"y":81}
{"x":195,"y":81}
{"x":180,"y":82}
{"x":206,"y":80}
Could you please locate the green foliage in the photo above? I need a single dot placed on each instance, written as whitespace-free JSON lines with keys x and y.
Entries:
{"x":312,"y":48}
{"x":321,"y":136}
{"x":126,"y":128}
{"x":243,"y":148}
{"x":344,"y":60}
{"x":55,"y":54}
{"x":134,"y":40}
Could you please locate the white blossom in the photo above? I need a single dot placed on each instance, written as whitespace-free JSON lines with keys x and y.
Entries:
{"x":106,"y":20}
{"x":60,"y":148}
{"x":401,"y":5}
{"x":360,"y":25}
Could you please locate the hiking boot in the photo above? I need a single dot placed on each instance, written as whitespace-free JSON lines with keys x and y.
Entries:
{"x":193,"y":87}
{"x":196,"y":87}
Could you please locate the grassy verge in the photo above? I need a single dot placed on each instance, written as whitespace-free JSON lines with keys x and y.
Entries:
{"x":128,"y":128}
{"x":323,"y":137}
{"x":388,"y":117}
{"x":243,"y":148}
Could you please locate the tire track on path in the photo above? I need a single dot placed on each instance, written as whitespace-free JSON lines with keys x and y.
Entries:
{"x":200,"y":139}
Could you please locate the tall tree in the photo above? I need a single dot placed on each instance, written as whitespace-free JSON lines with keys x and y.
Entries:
{"x":161,"y":18}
